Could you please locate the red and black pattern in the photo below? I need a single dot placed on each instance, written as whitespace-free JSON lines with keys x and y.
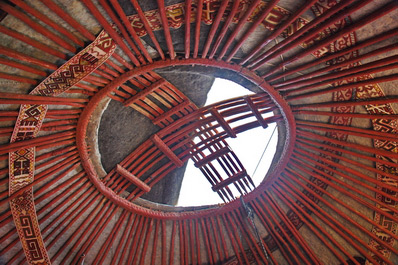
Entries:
{"x":30,"y":119}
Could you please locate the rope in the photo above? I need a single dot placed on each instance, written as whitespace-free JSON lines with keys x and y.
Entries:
{"x":265,"y":149}
{"x":250,"y":216}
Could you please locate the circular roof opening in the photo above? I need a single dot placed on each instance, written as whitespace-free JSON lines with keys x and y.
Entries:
{"x":178,"y":124}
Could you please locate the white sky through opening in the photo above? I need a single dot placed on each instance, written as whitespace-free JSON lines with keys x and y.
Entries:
{"x":248,"y":146}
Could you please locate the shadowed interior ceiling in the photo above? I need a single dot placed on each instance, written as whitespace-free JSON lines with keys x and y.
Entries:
{"x":102,"y":105}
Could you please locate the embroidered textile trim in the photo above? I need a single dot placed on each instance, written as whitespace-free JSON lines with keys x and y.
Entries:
{"x":29,"y":121}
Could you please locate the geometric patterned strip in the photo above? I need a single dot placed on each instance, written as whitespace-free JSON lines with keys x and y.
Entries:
{"x":340,"y":44}
{"x":175,"y":16}
{"x":29,"y":121}
{"x":389,"y":126}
